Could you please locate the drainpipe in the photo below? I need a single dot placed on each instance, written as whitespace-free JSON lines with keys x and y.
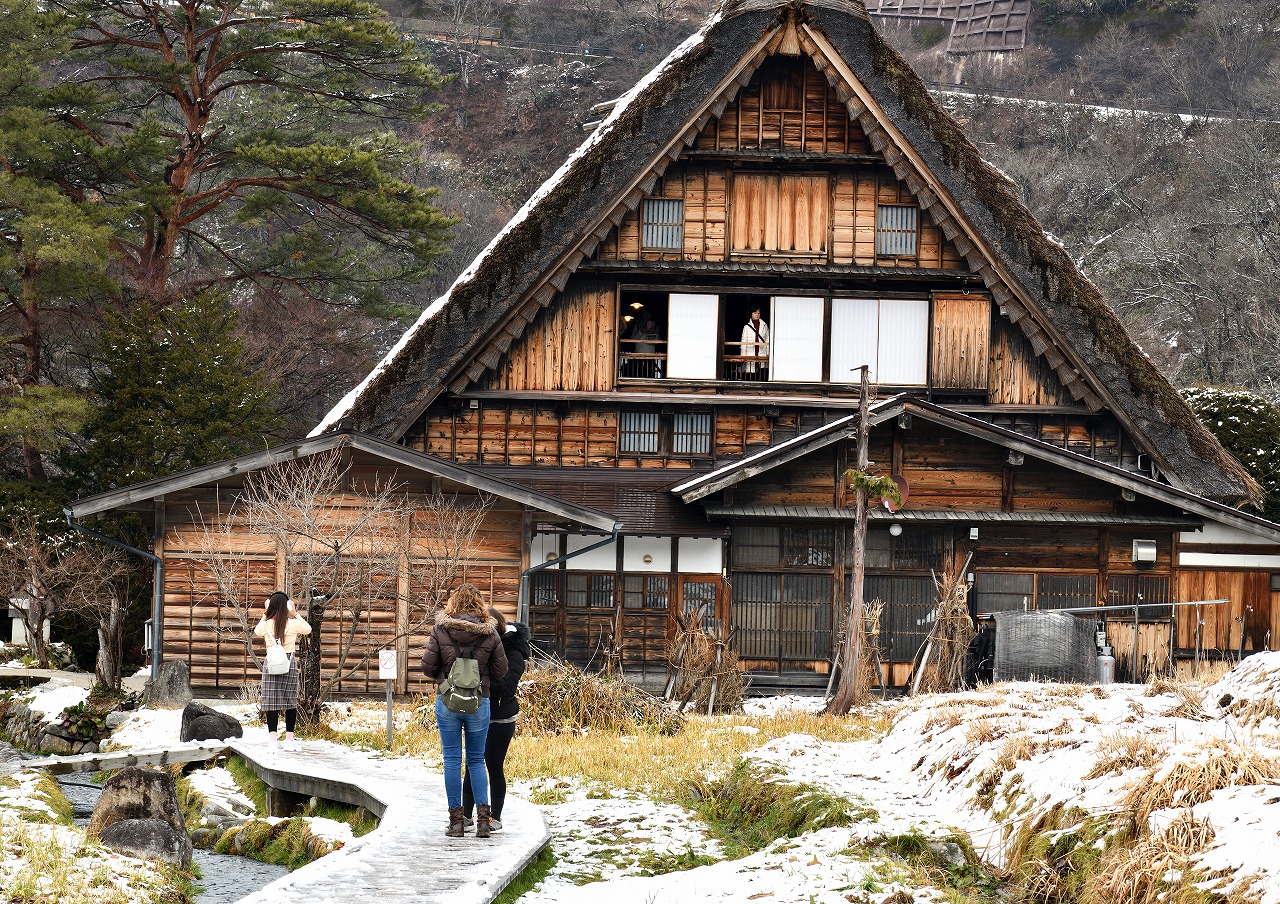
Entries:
{"x":523,"y":608}
{"x":157,"y":598}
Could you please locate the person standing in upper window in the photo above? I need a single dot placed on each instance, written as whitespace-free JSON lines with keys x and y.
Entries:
{"x":755,"y":344}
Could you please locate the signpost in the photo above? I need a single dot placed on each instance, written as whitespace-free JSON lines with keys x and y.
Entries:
{"x":388,"y":672}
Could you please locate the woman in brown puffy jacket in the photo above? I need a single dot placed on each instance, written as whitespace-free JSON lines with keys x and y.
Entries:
{"x":464,"y":625}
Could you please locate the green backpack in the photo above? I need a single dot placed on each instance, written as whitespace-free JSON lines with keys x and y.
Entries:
{"x":462,"y":691}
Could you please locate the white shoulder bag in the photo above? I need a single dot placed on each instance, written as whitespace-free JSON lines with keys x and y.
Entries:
{"x":277,"y":658}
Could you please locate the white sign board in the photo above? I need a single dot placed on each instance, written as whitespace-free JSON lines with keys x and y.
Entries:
{"x":387,"y":670}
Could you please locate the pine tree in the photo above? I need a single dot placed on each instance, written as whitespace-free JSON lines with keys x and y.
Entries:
{"x":172,"y":393}
{"x":261,"y":143}
{"x":55,"y":235}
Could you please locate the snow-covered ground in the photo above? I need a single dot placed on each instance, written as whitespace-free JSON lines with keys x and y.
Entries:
{"x":980,"y":765}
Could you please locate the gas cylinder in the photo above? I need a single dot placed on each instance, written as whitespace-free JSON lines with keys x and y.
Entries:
{"x":1106,"y":667}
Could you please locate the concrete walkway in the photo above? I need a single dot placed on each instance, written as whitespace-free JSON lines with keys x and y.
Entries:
{"x":408,"y":857}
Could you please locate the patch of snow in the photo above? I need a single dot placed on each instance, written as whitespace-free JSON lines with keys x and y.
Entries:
{"x":771,"y":706}
{"x":51,"y":698}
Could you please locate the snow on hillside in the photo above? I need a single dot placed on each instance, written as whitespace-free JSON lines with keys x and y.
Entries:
{"x":1000,"y":765}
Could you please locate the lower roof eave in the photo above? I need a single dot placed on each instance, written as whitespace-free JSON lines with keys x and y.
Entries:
{"x":832,"y":513}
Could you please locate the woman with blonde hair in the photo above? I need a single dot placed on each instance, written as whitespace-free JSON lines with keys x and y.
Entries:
{"x":464,"y":629}
{"x":281,"y":625}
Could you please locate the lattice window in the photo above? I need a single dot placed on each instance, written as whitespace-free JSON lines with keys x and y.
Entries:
{"x":1128,"y":589}
{"x":589,"y":590}
{"x":1003,"y":592}
{"x":662,"y":224}
{"x":1066,"y":591}
{"x":897,"y":228}
{"x":638,"y":432}
{"x":756,"y":544}
{"x":646,"y":591}
{"x":691,"y":434}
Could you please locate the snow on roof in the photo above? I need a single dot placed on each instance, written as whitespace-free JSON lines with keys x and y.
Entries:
{"x":606,"y":125}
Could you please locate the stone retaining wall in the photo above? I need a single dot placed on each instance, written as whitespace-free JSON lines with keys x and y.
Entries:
{"x":28,"y":730}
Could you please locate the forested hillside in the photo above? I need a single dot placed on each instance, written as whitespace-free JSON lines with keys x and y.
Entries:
{"x":308,"y":217}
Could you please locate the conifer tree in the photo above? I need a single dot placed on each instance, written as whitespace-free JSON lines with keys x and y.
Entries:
{"x":172,"y":393}
{"x":55,"y":235}
{"x":1248,"y":426}
{"x":261,"y":141}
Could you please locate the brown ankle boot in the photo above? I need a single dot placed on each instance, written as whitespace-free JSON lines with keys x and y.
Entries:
{"x":455,"y":829}
{"x":482,"y":820}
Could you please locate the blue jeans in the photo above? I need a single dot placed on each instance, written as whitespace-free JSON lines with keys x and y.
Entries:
{"x":452,"y":726}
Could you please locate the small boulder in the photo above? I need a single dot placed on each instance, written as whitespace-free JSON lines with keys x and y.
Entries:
{"x":149,"y":839}
{"x":137,"y":793}
{"x":948,"y":854}
{"x":55,"y":744}
{"x":171,"y":688}
{"x":201,"y":723}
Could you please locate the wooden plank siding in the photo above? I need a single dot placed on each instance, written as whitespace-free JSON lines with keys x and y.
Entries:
{"x":826,"y":216}
{"x":571,"y":345}
{"x":203,"y":628}
{"x":961,"y":340}
{"x":580,"y":434}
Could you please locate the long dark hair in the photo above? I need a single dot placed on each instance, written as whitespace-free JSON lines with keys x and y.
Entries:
{"x":278,"y":611}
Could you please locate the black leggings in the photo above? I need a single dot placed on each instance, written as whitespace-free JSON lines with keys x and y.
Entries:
{"x":273,"y":719}
{"x":495,"y":752}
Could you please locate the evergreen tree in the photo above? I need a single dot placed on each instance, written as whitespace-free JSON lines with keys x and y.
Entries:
{"x":54,"y":234}
{"x":1248,"y":426}
{"x":261,"y":144}
{"x":172,"y":393}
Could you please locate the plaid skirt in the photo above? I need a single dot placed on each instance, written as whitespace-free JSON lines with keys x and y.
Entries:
{"x":280,"y":691}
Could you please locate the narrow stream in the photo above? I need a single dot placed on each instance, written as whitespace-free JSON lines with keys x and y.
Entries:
{"x":224,"y":878}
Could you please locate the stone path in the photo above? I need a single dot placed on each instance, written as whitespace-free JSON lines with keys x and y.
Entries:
{"x":407,"y":858}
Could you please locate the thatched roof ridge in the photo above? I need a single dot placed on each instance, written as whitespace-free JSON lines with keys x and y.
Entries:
{"x":546,"y":235}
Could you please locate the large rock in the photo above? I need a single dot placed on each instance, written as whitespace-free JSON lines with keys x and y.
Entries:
{"x":200,"y":723}
{"x":149,"y":839}
{"x":171,"y":688}
{"x":137,"y":793}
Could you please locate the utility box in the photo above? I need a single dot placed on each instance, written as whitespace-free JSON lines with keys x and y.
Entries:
{"x":1144,"y":552}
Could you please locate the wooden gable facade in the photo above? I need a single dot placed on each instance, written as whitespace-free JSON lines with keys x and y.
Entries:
{"x":603,"y":352}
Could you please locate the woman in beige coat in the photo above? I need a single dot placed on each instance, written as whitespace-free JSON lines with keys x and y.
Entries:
{"x":281,"y":625}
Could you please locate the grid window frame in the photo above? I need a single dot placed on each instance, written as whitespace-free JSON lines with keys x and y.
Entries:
{"x":897,"y":230}
{"x":691,"y":433}
{"x":662,"y":224}
{"x":639,"y":433}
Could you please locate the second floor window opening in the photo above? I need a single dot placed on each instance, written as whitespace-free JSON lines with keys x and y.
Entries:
{"x":741,"y":337}
{"x":684,"y":433}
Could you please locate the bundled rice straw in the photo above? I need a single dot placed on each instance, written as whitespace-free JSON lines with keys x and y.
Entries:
{"x":942,"y":663}
{"x":700,"y":665}
{"x":556,"y":697}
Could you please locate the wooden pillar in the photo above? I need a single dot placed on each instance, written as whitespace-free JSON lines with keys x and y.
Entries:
{"x":403,"y":590}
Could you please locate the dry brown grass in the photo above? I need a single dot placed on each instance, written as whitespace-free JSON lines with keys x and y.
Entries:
{"x":664,"y":764}
{"x":1190,"y":703}
{"x":1154,"y":870}
{"x":1120,"y":753}
{"x":556,"y":698}
{"x":984,"y":731}
{"x":1191,"y":782}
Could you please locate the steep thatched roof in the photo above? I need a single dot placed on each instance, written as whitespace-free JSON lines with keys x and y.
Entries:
{"x":1033,"y":279}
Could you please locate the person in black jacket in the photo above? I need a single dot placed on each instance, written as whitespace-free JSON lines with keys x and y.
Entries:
{"x":502,"y":721}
